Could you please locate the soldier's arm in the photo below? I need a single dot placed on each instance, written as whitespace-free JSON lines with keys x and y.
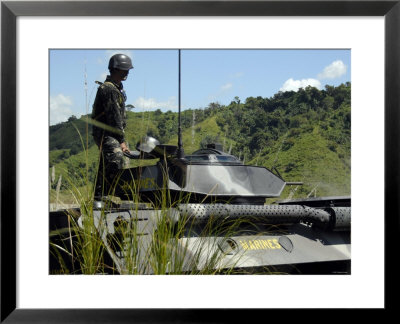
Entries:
{"x":114,"y":117}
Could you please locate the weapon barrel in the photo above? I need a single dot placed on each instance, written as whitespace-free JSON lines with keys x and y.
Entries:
{"x":336,"y":218}
{"x":340,"y":218}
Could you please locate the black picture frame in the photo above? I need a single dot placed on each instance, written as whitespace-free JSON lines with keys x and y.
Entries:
{"x":10,"y":10}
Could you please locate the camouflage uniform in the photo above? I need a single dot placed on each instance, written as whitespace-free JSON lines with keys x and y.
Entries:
{"x":109,"y":122}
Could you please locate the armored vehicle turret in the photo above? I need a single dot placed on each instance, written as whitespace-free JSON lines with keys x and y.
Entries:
{"x":212,"y":188}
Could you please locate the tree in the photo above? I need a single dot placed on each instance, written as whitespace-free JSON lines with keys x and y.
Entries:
{"x":214,"y":106}
{"x":328,"y":102}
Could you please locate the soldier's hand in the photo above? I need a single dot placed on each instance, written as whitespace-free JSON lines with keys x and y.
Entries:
{"x":124,"y":147}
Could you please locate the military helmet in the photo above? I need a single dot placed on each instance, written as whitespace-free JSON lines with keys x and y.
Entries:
{"x":120,"y":62}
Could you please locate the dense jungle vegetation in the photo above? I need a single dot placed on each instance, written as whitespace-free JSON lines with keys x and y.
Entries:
{"x":305,"y":135}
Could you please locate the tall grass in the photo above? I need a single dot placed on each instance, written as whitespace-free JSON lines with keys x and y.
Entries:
{"x":160,"y":248}
{"x":169,"y":242}
{"x":80,"y":240}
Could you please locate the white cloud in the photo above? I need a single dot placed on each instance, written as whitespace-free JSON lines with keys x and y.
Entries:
{"x":151,"y":103}
{"x":334,"y":70}
{"x":60,"y":108}
{"x":294,"y":85}
{"x":226,"y":87}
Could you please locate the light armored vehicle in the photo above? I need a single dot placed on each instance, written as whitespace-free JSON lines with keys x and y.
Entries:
{"x":217,"y":213}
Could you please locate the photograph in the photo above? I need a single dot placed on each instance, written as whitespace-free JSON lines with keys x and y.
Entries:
{"x":199,"y":161}
{"x":214,"y":149}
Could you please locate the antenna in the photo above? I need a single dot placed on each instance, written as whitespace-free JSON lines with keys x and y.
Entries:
{"x":180,"y":152}
{"x":87,"y":121}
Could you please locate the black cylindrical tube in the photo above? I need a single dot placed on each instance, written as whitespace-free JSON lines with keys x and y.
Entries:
{"x":340,"y":218}
{"x":273,"y":214}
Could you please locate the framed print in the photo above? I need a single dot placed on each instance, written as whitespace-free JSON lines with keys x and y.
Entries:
{"x":30,"y":28}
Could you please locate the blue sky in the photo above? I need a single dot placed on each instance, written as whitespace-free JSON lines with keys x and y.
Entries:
{"x":206,"y":76}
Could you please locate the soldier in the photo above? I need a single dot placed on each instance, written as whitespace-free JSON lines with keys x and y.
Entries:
{"x":109,"y":123}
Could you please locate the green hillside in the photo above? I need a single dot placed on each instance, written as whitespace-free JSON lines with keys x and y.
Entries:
{"x":309,"y":160}
{"x":304,"y":135}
